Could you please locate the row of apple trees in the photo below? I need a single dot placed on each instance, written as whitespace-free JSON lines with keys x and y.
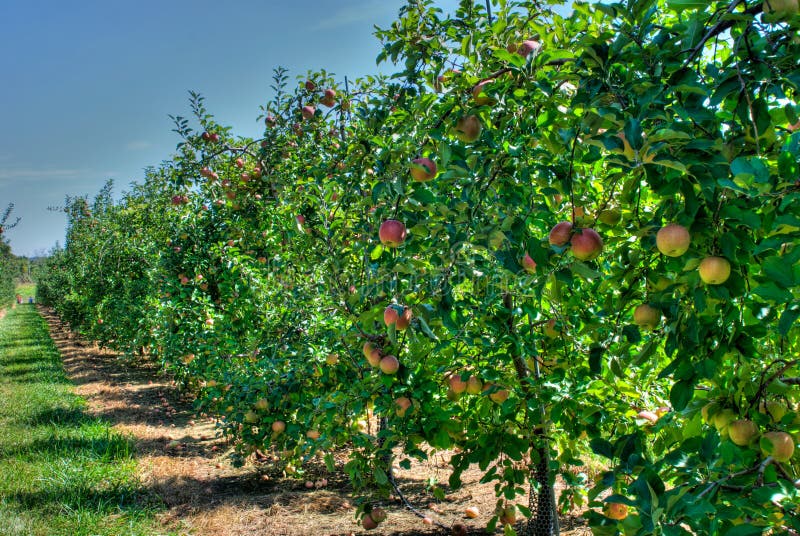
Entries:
{"x":545,"y":238}
{"x":9,"y":266}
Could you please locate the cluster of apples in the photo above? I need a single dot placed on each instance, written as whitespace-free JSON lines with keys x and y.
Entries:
{"x":388,"y":364}
{"x":746,"y":433}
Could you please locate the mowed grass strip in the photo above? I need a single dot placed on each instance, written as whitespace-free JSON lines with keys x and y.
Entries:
{"x":62,"y":471}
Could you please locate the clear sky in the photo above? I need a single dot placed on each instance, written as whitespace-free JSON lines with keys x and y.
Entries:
{"x":87,"y":85}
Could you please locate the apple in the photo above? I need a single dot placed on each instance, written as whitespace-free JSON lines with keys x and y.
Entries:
{"x":270,"y":121}
{"x":616,"y":511}
{"x":529,"y":264}
{"x":646,"y":316}
{"x":251,"y":417}
{"x":262,"y":404}
{"x":472,"y":512}
{"x":215,"y":137}
{"x":742,"y":432}
{"x":392,"y":233}
{"x":779,"y":10}
{"x":722,"y":419}
{"x":402,"y":404}
{"x":468,"y":128}
{"x":332,"y":359}
{"x":378,"y":515}
{"x":206,"y":136}
{"x":313,"y":435}
{"x":586,"y":244}
{"x":550,"y":330}
{"x":648,"y":416}
{"x":779,"y":445}
{"x":368,"y":523}
{"x":457,"y":385}
{"x":307,"y":111}
{"x":400,"y":319}
{"x":508,"y":516}
{"x":560,"y":234}
{"x":310,"y":86}
{"x":372,"y":354}
{"x":673,"y":240}
{"x":474,"y":385}
{"x":479,"y":97}
{"x":329,"y":98}
{"x":527,"y":47}
{"x":278,"y":427}
{"x":423,"y":169}
{"x":389,"y":364}
{"x":714,"y":270}
{"x":498,"y":396}
{"x":99,"y":320}
{"x":776,"y":410}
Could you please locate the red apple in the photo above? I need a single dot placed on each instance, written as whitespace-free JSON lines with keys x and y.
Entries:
{"x":308,"y":112}
{"x":527,"y":47}
{"x":400,"y":318}
{"x":586,"y":244}
{"x":616,"y":511}
{"x":423,"y":169}
{"x":372,"y":354}
{"x":402,"y":403}
{"x":742,"y":432}
{"x":389,"y":364}
{"x":457,"y":385}
{"x":529,"y":264}
{"x":560,"y":234}
{"x":310,"y":86}
{"x":392,"y":233}
{"x":479,"y":96}
{"x":278,"y":427}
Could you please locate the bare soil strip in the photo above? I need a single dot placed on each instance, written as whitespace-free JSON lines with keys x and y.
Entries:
{"x":185,"y":464}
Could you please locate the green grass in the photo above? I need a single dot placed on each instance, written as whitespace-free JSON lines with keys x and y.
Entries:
{"x":62,"y":471}
{"x":27,"y":290}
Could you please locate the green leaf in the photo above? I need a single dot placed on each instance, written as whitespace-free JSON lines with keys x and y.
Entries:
{"x":681,"y":394}
{"x":788,"y":318}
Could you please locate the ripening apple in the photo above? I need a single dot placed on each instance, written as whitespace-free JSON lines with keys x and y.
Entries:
{"x":270,"y":121}
{"x":498,"y":396}
{"x":776,"y":410}
{"x":586,"y":244}
{"x":261,"y":404}
{"x":401,"y":320}
{"x":313,"y":435}
{"x":307,"y":111}
{"x":372,"y":354}
{"x":251,"y":417}
{"x":402,"y":404}
{"x":508,"y":516}
{"x":529,"y":264}
{"x":646,"y":316}
{"x":479,"y":97}
{"x":673,"y":240}
{"x":392,"y":233}
{"x":560,"y":233}
{"x":378,"y":515}
{"x":527,"y":47}
{"x":310,"y":86}
{"x":332,"y":359}
{"x":779,"y":445}
{"x":389,"y":364}
{"x":329,"y":98}
{"x":368,"y":523}
{"x":616,"y":511}
{"x":723,"y":419}
{"x":742,"y":432}
{"x":714,"y":270}
{"x":278,"y":427}
{"x":474,"y":385}
{"x":457,"y":385}
{"x":468,"y":128}
{"x":648,"y":416}
{"x":423,"y":169}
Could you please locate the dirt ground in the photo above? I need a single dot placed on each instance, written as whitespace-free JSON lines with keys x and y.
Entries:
{"x":186,"y":465}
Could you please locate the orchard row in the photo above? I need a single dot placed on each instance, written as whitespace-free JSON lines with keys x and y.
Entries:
{"x":546,"y":239}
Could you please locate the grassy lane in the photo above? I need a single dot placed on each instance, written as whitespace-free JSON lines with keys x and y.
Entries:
{"x":62,"y":471}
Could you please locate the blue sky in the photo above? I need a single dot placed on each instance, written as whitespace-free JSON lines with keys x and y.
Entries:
{"x":88,"y":84}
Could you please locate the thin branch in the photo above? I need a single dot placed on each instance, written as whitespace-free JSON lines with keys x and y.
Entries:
{"x":719,"y":27}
